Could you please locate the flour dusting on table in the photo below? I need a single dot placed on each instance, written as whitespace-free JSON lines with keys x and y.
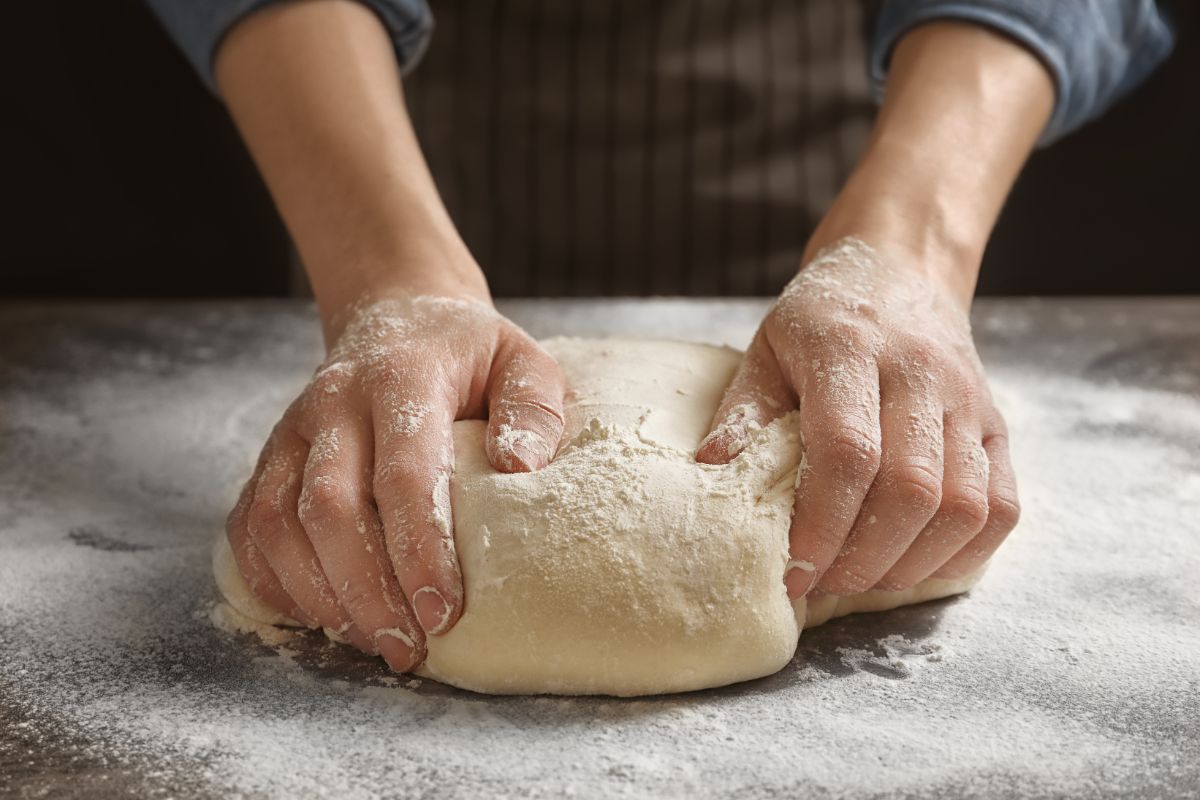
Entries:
{"x":1071,"y":670}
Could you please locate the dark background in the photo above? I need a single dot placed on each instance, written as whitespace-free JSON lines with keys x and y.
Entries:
{"x":124,"y":177}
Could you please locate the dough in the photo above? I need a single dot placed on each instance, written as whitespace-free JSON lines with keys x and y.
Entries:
{"x":624,"y":567}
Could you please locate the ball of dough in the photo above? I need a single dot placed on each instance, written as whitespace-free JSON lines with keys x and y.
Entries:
{"x":624,"y":567}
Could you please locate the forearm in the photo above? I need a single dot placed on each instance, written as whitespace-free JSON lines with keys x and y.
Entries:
{"x":963,"y":109}
{"x":315,"y":91}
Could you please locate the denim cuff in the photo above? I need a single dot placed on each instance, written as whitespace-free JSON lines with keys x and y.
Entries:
{"x":198,"y":27}
{"x":1095,"y":52}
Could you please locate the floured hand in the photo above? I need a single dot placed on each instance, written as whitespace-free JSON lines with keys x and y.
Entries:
{"x":346,"y":522}
{"x":907,"y":472}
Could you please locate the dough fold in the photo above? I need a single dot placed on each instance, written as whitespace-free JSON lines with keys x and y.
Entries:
{"x":624,"y":567}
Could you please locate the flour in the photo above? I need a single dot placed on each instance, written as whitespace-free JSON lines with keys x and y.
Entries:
{"x":511,"y":444}
{"x":440,"y":516}
{"x":229,"y":619}
{"x":408,"y":416}
{"x":1070,"y":671}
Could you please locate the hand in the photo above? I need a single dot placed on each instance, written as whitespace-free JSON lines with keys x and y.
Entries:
{"x":346,"y":522}
{"x":906,"y":471}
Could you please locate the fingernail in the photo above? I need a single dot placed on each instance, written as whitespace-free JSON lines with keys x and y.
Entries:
{"x":798,"y":577}
{"x":522,"y":449}
{"x":529,"y":457}
{"x":728,"y":441}
{"x":705,"y":443}
{"x":432,"y":610}
{"x":397,"y":648}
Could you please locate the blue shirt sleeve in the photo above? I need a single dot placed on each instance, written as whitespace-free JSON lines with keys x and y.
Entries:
{"x":1095,"y":50}
{"x":198,"y":26}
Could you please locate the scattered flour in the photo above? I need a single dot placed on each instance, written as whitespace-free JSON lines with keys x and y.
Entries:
{"x":1070,"y":671}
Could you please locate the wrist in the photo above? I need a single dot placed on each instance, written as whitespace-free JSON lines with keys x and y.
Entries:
{"x":421,"y":266}
{"x":917,"y":222}
{"x":962,"y":110}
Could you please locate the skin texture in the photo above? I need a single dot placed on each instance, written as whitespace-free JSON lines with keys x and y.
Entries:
{"x":345,"y":524}
{"x":908,"y":472}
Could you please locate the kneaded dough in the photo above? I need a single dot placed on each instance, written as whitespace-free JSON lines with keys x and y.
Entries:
{"x":624,"y":567}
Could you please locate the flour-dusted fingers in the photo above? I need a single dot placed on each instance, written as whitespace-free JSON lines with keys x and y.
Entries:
{"x":1003,"y":508}
{"x":343,"y":526}
{"x":963,"y":510}
{"x":525,"y":406}
{"x":376,"y":543}
{"x":839,"y":422}
{"x":250,"y":562}
{"x":906,"y":492}
{"x":414,"y":457}
{"x":758,"y":394}
{"x":275,"y":527}
{"x":856,"y":322}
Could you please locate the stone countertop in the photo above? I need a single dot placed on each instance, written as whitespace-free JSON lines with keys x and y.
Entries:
{"x":1072,"y":670}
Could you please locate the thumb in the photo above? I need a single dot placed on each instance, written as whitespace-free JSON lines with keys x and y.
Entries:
{"x":758,"y":394}
{"x":525,"y":400}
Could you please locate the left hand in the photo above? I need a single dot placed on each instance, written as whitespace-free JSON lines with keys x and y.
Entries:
{"x":906,"y":472}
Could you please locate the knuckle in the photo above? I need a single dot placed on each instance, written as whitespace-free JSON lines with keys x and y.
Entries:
{"x":923,"y":349}
{"x":300,"y":421}
{"x":966,"y":396}
{"x":836,"y":335}
{"x":403,"y":543}
{"x":356,"y":596}
{"x":966,"y":510}
{"x":330,"y":380}
{"x":322,"y":500}
{"x":404,"y":413}
{"x":850,"y":334}
{"x":999,"y":437}
{"x":916,"y":486}
{"x":532,"y":359}
{"x":397,"y":480}
{"x":855,"y":453}
{"x":1004,"y":511}
{"x":263,"y":520}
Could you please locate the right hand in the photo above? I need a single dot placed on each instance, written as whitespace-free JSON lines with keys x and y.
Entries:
{"x":346,"y":522}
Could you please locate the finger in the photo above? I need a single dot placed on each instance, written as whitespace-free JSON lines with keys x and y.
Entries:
{"x":413,"y":462}
{"x":1004,"y":510}
{"x":525,"y":414}
{"x":839,"y":421}
{"x":758,"y":394}
{"x":276,"y":530}
{"x":336,"y":511}
{"x":904,"y":495}
{"x":251,"y":564}
{"x":961,"y":515}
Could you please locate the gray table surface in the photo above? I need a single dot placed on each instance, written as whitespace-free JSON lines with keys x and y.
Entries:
{"x":1071,"y":671}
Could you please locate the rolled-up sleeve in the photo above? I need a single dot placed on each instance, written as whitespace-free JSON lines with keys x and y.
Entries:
{"x":1095,"y":50}
{"x":197,"y":26}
